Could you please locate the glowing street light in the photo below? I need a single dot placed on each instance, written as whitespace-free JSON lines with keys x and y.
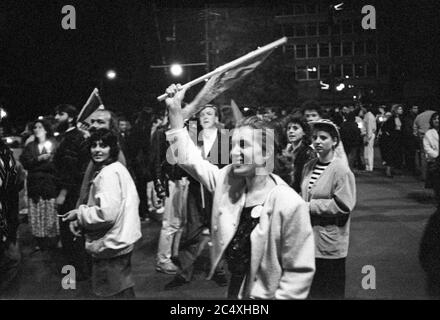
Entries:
{"x":176,"y":70}
{"x":340,"y":87}
{"x":111,"y":74}
{"x":3,"y":113}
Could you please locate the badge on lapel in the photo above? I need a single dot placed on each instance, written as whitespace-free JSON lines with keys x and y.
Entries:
{"x":256,"y":212}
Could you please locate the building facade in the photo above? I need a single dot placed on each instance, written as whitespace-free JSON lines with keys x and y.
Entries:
{"x":335,"y":60}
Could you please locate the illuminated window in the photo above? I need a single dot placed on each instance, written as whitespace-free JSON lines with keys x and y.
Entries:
{"x":313,"y":72}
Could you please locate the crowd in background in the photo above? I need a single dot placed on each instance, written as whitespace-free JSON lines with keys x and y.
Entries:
{"x":72,"y":178}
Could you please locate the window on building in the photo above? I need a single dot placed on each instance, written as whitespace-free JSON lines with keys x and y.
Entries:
{"x":324,"y":71}
{"x":289,"y":31}
{"x":371,"y":47}
{"x":324,"y":50}
{"x":336,"y":49}
{"x":348,"y":70}
{"x":311,"y":8}
{"x":300,"y":52}
{"x":347,"y":27}
{"x":359,"y":49}
{"x":323,"y":29}
{"x":301,"y":73}
{"x":299,"y":9}
{"x":311,"y":29}
{"x":382,"y":48}
{"x":336,"y":28}
{"x":312,"y":72}
{"x":290,"y":47}
{"x":359,"y":70}
{"x":312,"y":50}
{"x":300,"y":30}
{"x":383,"y":69}
{"x":371,"y":69}
{"x":347,"y":48}
{"x":338,"y":70}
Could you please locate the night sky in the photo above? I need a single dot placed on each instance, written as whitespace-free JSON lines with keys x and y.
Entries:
{"x":43,"y":65}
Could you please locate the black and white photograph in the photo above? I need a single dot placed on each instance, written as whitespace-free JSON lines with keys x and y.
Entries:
{"x":229,"y":151}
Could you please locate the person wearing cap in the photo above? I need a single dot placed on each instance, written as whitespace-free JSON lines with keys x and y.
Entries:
{"x":329,"y":189}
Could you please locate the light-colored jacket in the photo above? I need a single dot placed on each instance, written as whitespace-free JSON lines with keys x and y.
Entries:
{"x":111,"y":217}
{"x":333,"y":196}
{"x":430,"y":144}
{"x":370,"y":125}
{"x":282,"y":246}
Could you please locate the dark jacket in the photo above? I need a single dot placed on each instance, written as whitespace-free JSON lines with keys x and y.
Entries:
{"x":350,"y":135}
{"x":292,"y":164}
{"x":70,"y":160}
{"x":9,"y":188}
{"x":42,"y":179}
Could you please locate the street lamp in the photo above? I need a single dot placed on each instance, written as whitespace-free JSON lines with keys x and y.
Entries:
{"x":176,"y":70}
{"x":111,"y":74}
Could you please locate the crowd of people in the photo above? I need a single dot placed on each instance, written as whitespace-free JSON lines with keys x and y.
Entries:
{"x":268,"y":195}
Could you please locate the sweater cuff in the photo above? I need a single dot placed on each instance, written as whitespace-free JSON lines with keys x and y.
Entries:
{"x":170,"y":134}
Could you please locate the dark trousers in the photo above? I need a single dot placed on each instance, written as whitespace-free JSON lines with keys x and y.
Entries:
{"x":195,"y":241}
{"x":74,"y":248}
{"x":410,"y":149}
{"x":329,"y":279}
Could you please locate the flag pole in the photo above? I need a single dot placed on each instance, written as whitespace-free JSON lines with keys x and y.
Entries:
{"x":231,"y":64}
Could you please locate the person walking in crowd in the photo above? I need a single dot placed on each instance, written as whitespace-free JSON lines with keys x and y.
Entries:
{"x":370,"y":135}
{"x":351,"y":139}
{"x":298,"y":151}
{"x":393,"y":140}
{"x":213,"y":146}
{"x":329,"y":190}
{"x":252,"y":210}
{"x":42,"y":184}
{"x":171,"y":185}
{"x":421,"y":125}
{"x":410,"y":143}
{"x":431,"y":150}
{"x":110,"y":219}
{"x":70,"y":160}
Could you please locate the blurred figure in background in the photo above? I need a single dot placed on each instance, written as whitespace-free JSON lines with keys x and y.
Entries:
{"x":431,"y":150}
{"x":370,"y":136}
{"x":421,"y":125}
{"x":42,"y":183}
{"x":410,"y":143}
{"x":393,"y":140}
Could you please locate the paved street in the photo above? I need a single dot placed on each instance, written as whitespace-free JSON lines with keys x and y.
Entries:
{"x":386,"y":228}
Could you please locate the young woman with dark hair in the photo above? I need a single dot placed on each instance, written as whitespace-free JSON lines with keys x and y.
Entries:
{"x":298,"y":151}
{"x":259,"y":224}
{"x":109,"y":220}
